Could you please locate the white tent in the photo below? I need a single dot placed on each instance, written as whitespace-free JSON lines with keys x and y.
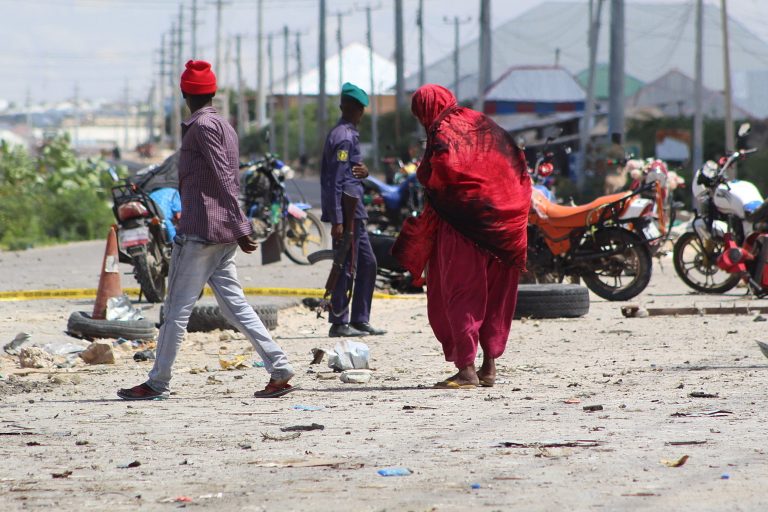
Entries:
{"x":355,"y":69}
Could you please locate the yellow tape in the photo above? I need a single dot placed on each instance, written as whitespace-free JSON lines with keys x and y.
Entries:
{"x":90,"y":293}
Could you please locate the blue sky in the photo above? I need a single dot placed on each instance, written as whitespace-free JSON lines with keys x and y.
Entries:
{"x":104,"y":46}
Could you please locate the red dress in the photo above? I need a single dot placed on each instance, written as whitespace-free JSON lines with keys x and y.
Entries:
{"x":472,"y":234}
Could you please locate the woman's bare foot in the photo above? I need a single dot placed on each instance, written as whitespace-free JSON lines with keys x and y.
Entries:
{"x":465,"y":377}
{"x":487,"y":373}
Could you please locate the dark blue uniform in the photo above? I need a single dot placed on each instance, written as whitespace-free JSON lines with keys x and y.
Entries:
{"x":340,"y":154}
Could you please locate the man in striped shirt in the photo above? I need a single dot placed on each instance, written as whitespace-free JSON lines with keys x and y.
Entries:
{"x":211,"y":228}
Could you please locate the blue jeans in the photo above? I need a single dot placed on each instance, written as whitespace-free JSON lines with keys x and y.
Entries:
{"x":193,"y":263}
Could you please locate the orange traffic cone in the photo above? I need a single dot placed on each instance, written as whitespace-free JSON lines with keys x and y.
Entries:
{"x":109,"y":281}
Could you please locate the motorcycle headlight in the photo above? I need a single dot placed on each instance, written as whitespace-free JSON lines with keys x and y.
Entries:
{"x":709,"y":170}
{"x":288,"y":172}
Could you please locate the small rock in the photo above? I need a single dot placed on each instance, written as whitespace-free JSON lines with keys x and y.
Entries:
{"x":35,"y":357}
{"x":357,"y":376}
{"x":98,"y":352}
{"x":760,"y":318}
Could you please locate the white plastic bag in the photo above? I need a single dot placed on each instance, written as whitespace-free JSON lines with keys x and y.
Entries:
{"x":348,"y":354}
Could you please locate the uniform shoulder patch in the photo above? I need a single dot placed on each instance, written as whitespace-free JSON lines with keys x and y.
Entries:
{"x":342,"y":155}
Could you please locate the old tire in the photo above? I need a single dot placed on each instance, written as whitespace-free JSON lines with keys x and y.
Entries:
{"x":551,"y":301}
{"x":206,"y":318}
{"x":81,"y":324}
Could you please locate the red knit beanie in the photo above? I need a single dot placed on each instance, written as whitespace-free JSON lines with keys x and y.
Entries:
{"x":198,"y":78}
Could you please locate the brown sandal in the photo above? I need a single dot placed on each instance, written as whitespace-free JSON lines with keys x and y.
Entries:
{"x":274,"y":391}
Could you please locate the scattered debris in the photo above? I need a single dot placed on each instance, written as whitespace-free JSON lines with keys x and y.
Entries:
{"x":35,"y":357}
{"x":475,"y":486}
{"x":701,"y":394}
{"x":348,"y":355}
{"x":355,"y":376}
{"x":144,"y":355}
{"x":307,"y":407}
{"x":209,"y":496}
{"x":303,"y":463}
{"x":212,"y":380}
{"x":234,"y":363}
{"x":633,"y":311}
{"x":763,"y":348}
{"x":81,"y":442}
{"x":177,"y":499}
{"x":725,"y":476}
{"x":417,"y":407}
{"x":592,"y":408}
{"x":572,"y":401}
{"x":133,"y":464}
{"x":684,"y":443}
{"x":760,"y":318}
{"x":641,"y":494}
{"x":303,"y":428}
{"x":14,"y":347}
{"x":269,"y":437}
{"x":98,"y":352}
{"x":578,"y":443}
{"x":120,"y":308}
{"x":716,"y":413}
{"x":394,"y":472}
{"x":64,"y":474}
{"x":675,"y":463}
{"x":317,"y":355}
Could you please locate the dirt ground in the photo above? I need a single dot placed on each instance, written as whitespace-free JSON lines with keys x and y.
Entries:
{"x":68,"y":443}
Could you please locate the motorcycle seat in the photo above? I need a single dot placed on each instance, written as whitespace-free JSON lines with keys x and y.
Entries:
{"x":572,"y":216}
{"x":759,"y":213}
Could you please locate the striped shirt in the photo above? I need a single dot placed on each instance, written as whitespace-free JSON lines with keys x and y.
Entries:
{"x":208,"y":179}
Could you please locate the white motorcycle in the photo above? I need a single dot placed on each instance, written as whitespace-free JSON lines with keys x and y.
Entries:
{"x":721,"y":206}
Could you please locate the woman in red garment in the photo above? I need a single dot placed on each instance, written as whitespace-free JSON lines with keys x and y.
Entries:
{"x":471,"y":237}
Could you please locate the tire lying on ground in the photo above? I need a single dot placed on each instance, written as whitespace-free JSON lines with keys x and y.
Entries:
{"x":82,"y":325}
{"x":209,"y":318}
{"x":551,"y":301}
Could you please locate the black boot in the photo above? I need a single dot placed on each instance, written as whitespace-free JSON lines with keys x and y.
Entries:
{"x":367,"y":328}
{"x":345,"y":331}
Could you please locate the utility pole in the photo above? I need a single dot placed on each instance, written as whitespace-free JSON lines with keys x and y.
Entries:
{"x":340,"y":43}
{"x":272,"y":117}
{"x":162,"y":79}
{"x":299,"y":73}
{"x":420,"y":24}
{"x":242,"y":105}
{"x":176,"y":101}
{"x":219,"y":6}
{"x":589,"y":110}
{"x":76,"y":109}
{"x":260,"y":96}
{"x":730,"y":138}
{"x":698,"y":116}
{"x":400,"y":68}
{"x":456,"y":21}
{"x":286,"y":106}
{"x":485,"y":72}
{"x":372,"y":92}
{"x":616,"y":70}
{"x":151,"y":113}
{"x":127,"y":124}
{"x":321,"y":110}
{"x":193,"y":48}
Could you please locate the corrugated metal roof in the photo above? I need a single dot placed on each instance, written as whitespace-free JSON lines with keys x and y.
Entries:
{"x":534,"y":83}
{"x":355,"y":68}
{"x":659,"y":37}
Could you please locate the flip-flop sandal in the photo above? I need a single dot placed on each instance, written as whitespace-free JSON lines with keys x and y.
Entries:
{"x":450,"y":384}
{"x":272,"y":391}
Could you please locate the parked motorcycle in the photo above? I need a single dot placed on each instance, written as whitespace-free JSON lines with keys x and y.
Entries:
{"x":389,"y":205}
{"x":269,"y":208}
{"x":145,"y":207}
{"x":722,"y":207}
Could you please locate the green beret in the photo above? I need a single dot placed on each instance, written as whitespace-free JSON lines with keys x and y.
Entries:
{"x":354,"y":92}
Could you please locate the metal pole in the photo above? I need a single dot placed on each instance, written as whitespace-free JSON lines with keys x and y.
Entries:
{"x":261,"y":107}
{"x":484,"y":76}
{"x":300,"y":100}
{"x":339,"y":17}
{"x":193,"y":49}
{"x":400,"y":67}
{"x":616,"y":98}
{"x":589,"y":110}
{"x":420,"y":23}
{"x":219,"y":5}
{"x":242,"y":106}
{"x":698,"y":117}
{"x":372,"y":93}
{"x":272,"y":134}
{"x":176,"y":101}
{"x":321,"y":110}
{"x":286,"y":106}
{"x":162,"y":87}
{"x":730,"y":136}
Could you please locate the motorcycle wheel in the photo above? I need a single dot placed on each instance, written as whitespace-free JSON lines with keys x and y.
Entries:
{"x":697,"y":266}
{"x":148,"y":270}
{"x":303,"y":237}
{"x":623,"y":275}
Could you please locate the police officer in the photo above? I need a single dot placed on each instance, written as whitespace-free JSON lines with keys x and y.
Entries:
{"x":342,"y":169}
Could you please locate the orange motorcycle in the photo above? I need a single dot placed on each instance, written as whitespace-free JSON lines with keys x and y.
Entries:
{"x":605,"y":242}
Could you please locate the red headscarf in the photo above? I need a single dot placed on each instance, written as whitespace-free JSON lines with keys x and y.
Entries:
{"x":475,"y":178}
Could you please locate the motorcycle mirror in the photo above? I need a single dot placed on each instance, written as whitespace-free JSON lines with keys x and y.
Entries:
{"x":568,"y":150}
{"x":266,"y":135}
{"x":113,"y":173}
{"x":744,"y":129}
